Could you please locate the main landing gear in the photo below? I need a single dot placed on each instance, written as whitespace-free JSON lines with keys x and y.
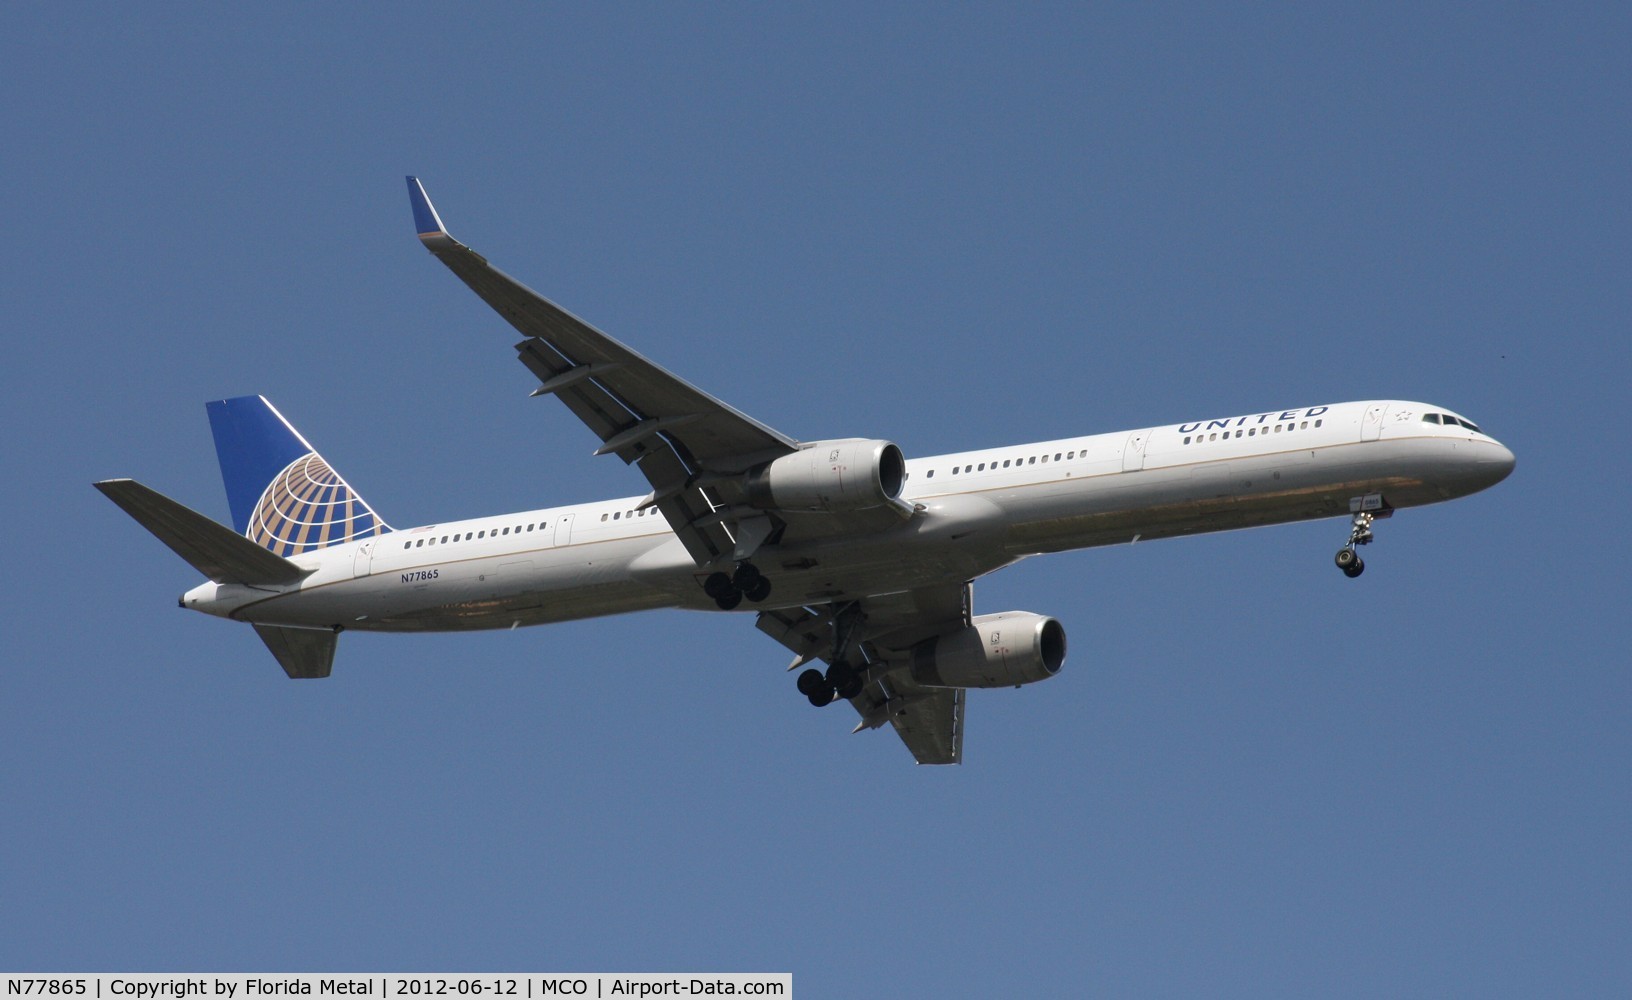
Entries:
{"x":840,"y":681}
{"x":728,"y":589}
{"x":1348,"y":560}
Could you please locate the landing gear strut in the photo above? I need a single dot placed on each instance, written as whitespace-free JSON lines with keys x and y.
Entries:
{"x":847,"y":674}
{"x":728,"y":590}
{"x":1348,"y":560}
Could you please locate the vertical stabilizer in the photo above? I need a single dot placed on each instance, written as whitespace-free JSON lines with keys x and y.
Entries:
{"x":283,"y":495}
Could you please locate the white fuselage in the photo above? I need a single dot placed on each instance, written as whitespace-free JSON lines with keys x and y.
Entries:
{"x":976,"y":512}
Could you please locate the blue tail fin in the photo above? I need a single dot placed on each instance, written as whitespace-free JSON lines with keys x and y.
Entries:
{"x":284,"y":497}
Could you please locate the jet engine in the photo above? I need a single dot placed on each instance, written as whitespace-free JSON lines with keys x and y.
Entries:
{"x":1002,"y":650}
{"x":830,"y":476}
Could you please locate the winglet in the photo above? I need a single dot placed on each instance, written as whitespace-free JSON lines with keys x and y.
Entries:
{"x":426,"y":221}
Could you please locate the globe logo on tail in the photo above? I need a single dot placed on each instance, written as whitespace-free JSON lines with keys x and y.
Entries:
{"x":308,"y":506}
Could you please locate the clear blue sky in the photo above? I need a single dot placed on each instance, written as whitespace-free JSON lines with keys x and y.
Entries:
{"x":952,"y":226}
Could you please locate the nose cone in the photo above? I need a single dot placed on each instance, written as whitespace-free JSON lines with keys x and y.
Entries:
{"x":1483,"y":466}
{"x":1499,"y":462}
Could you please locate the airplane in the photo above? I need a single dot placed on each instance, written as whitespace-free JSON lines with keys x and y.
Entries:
{"x":857,"y":559}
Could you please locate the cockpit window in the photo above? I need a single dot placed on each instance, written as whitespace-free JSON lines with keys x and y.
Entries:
{"x":1450,"y":421}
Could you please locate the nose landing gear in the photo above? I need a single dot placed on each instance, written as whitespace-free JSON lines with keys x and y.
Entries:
{"x":1365,"y":510}
{"x":1348,"y":560}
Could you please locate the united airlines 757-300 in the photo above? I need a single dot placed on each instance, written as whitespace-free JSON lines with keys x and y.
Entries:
{"x":847,"y":552}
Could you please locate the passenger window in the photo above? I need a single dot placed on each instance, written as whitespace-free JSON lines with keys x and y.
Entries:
{"x":1317,"y":423}
{"x":469,"y":535}
{"x":981,"y":467}
{"x":930,"y":474}
{"x":617,"y":514}
{"x":967,"y":468}
{"x":407,"y":545}
{"x":1056,"y":456}
{"x":444,"y":539}
{"x":1005,"y":463}
{"x":1303,"y":426}
{"x":605,"y":516}
{"x":419,"y":544}
{"x":1033,"y":460}
{"x":1045,"y":459}
{"x":1252,"y":432}
{"x":1186,"y":440}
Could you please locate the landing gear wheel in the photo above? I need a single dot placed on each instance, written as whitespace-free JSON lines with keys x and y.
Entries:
{"x":811,"y":681}
{"x":729,"y":600}
{"x":821,"y":697}
{"x":717,"y":585}
{"x":746,"y":577}
{"x":844,"y":680}
{"x":1355,"y":568}
{"x":1346,"y":558}
{"x":759,"y":591}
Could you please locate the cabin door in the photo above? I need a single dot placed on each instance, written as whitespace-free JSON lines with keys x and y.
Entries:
{"x":1133,"y":452}
{"x":1372,"y":426}
{"x":360,"y":563}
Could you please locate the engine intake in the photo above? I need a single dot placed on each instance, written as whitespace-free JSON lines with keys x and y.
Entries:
{"x":830,"y":476}
{"x":1002,"y":650}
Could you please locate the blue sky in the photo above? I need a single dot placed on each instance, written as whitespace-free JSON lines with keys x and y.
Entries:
{"x":953,"y":226}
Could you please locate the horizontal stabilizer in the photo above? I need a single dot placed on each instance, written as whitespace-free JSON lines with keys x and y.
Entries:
{"x":217,"y":551}
{"x":302,"y":652}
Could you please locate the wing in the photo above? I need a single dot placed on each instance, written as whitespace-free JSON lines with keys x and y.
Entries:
{"x":690,"y":446}
{"x":875,"y":636}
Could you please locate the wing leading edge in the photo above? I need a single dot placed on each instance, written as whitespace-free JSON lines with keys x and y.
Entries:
{"x":690,"y":446}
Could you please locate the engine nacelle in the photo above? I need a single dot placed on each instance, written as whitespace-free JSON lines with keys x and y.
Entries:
{"x":1003,"y":650}
{"x":848,"y":474}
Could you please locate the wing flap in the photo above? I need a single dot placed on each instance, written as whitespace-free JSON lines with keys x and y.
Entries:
{"x":930,"y":723}
{"x":875,"y":635}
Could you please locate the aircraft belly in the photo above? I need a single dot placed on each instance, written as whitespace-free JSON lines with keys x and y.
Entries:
{"x":551,"y":585}
{"x":498,"y":591}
